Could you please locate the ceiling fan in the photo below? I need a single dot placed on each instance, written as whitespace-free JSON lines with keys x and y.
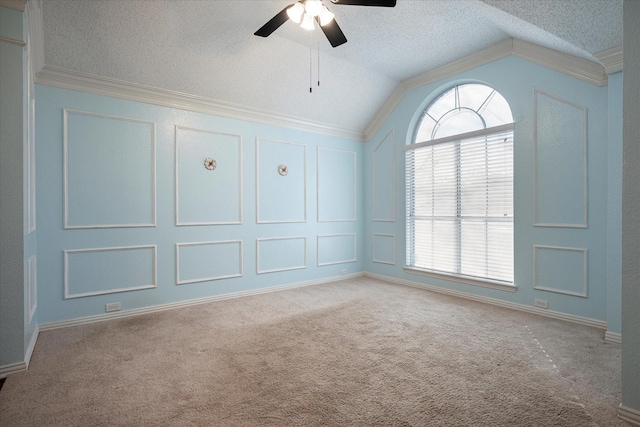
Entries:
{"x":305,"y":12}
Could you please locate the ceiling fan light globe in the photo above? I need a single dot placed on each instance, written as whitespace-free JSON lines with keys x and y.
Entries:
{"x":295,"y":12}
{"x":325,"y":16}
{"x":313,"y":7}
{"x":307,"y":22}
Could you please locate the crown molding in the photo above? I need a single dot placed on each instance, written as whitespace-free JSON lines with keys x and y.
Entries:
{"x":497,"y":51}
{"x":611,"y":59}
{"x":36,"y":34}
{"x":84,"y":82}
{"x":18,"y":5}
{"x":590,"y":72}
{"x":578,"y":68}
{"x":582,"y":69}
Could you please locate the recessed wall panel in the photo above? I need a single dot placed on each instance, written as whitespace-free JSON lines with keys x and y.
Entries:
{"x":281,"y":181}
{"x":384,"y":248}
{"x":208,"y":194}
{"x":336,"y":249}
{"x":109,"y":171}
{"x":383,"y":176}
{"x":560,"y":270}
{"x":281,"y":254}
{"x":100,"y":271}
{"x":205,"y":261}
{"x":560,"y":162}
{"x":336,"y":185}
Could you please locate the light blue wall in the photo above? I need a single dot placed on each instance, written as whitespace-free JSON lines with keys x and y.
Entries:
{"x":559,"y":102}
{"x":120,"y":168}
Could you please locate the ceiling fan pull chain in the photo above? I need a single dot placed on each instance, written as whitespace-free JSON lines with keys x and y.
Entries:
{"x":318,"y":40}
{"x":310,"y":62}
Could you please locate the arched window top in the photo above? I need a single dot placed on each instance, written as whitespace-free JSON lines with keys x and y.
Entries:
{"x":461,"y":109}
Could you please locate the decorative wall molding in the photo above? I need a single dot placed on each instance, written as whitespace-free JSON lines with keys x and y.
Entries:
{"x":189,"y":303}
{"x":177,"y":180}
{"x":373,"y":249}
{"x":18,"y":5}
{"x":585,"y":281}
{"x":390,"y":136}
{"x":493,"y":301}
{"x":630,"y":415}
{"x":154,"y":273}
{"x":611,"y":59}
{"x":582,"y":69}
{"x":337,"y":261}
{"x":65,"y":166}
{"x":321,"y":218}
{"x":295,"y":267}
{"x":259,"y":220}
{"x":84,"y":82}
{"x":585,"y":190}
{"x":208,"y":278}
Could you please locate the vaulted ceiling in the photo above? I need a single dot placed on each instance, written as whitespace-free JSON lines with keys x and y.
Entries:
{"x":207,"y":47}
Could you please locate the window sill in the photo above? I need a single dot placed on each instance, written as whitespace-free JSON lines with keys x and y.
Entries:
{"x":492,"y":284}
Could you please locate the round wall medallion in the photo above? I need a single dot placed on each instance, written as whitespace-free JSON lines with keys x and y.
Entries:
{"x":210,"y":163}
{"x":282,"y":170}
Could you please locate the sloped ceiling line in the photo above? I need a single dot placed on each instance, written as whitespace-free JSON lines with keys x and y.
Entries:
{"x":576,"y":67}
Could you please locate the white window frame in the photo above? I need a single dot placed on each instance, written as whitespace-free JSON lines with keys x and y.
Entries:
{"x":450,"y":276}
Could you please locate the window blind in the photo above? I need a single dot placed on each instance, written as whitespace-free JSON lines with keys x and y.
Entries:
{"x":460,"y":205}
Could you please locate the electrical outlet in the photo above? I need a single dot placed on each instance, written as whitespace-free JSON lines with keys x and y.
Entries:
{"x":112,"y":306}
{"x":343,"y":271}
{"x":541,"y":303}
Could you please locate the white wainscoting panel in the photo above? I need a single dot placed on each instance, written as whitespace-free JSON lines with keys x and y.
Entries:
{"x":336,"y":249}
{"x":337,"y":195}
{"x":206,"y":261}
{"x":99,"y":271}
{"x":560,"y":162}
{"x":281,"y":254}
{"x":384,"y":179}
{"x":109,"y":171}
{"x":384,"y":248}
{"x":203,"y":196}
{"x":281,"y":197}
{"x":561,"y":270}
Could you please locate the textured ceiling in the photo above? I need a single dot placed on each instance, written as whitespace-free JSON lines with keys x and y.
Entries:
{"x":207,"y":47}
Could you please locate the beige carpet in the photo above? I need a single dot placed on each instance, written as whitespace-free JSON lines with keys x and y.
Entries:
{"x":355,"y":353}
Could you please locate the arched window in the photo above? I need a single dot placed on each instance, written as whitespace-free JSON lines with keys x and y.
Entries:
{"x":459,"y":182}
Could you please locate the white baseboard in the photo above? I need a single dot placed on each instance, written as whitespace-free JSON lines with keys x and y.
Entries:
{"x":613,"y":337}
{"x":31,"y":346}
{"x":493,"y":301}
{"x":629,"y":415}
{"x":188,"y":303}
{"x":12,"y":368}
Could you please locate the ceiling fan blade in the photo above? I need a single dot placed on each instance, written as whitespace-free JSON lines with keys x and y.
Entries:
{"x":382,"y":3}
{"x":274,"y":23}
{"x":333,"y":32}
